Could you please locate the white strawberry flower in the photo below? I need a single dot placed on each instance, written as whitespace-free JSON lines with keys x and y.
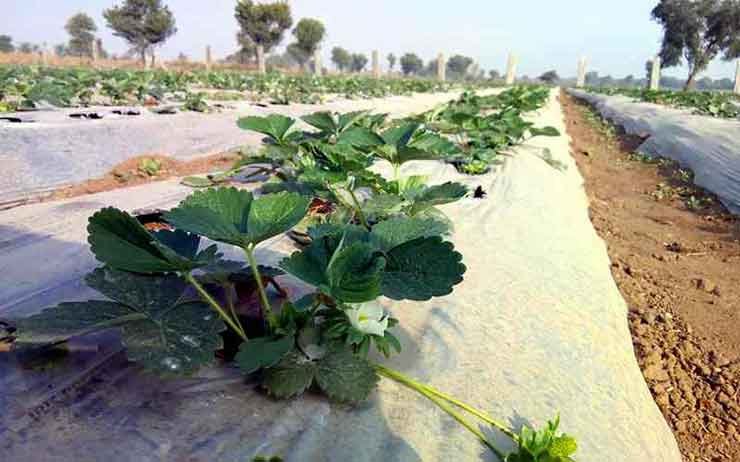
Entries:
{"x":368,"y":318}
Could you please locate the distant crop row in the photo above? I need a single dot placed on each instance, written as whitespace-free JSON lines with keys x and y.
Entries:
{"x":29,"y":87}
{"x":715,"y":104}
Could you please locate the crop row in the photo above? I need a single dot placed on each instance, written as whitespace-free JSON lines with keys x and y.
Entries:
{"x":360,"y":237}
{"x":25,"y":87}
{"x":715,"y":104}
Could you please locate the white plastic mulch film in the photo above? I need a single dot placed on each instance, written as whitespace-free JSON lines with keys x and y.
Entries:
{"x":538,"y":326}
{"x":707,"y":145}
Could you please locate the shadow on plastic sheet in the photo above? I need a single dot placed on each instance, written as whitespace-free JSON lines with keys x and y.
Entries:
{"x":86,"y":401}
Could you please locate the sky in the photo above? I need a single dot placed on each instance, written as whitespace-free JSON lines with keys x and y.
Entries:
{"x":617,"y":37}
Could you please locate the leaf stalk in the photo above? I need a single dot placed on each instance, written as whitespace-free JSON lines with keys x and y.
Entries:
{"x":215,"y":305}
{"x":266,"y":307}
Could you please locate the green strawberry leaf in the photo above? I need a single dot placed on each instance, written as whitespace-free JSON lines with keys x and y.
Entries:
{"x":360,"y":137}
{"x":345,"y":377}
{"x":233,"y":216}
{"x":437,"y":195}
{"x":323,"y":120}
{"x":422,"y":269}
{"x":273,"y":214}
{"x":354,"y":273}
{"x":262,"y":352}
{"x":217,"y":213}
{"x":274,"y":125}
{"x":340,"y":265}
{"x":119,"y":240}
{"x":197,"y":182}
{"x":545,"y":131}
{"x":291,"y":376}
{"x":396,"y":231}
{"x":163,"y":329}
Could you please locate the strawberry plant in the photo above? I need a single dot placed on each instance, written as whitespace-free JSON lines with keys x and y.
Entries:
{"x":714,"y":104}
{"x":173,"y":300}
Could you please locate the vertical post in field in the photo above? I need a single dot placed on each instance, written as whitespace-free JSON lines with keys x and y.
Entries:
{"x":441,"y":67}
{"x":737,"y":78}
{"x":44,"y":54}
{"x":581,"y":80}
{"x":261,"y":67}
{"x":511,"y":69}
{"x":95,"y":51}
{"x":317,"y":62}
{"x":209,"y":58}
{"x":376,"y":64}
{"x":655,"y":74}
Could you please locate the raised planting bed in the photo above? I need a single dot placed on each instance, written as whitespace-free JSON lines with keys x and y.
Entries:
{"x":504,"y":302}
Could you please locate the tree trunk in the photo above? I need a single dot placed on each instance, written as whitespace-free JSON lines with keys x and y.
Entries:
{"x":691,"y":81}
{"x":154,"y":58}
{"x":143,"y":58}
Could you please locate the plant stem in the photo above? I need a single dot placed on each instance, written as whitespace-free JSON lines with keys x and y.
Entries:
{"x":480,"y":414}
{"x":230,"y":302}
{"x":358,"y":209}
{"x":266,"y":307}
{"x":439,"y":401}
{"x":214,"y":304}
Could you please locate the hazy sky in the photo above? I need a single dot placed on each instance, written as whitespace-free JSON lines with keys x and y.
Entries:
{"x":616,"y":36}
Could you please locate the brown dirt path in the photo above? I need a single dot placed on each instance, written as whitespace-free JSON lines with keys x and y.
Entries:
{"x":675,"y":254}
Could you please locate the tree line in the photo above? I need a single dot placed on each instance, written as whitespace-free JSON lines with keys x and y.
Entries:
{"x":695,"y":32}
{"x":147,"y":24}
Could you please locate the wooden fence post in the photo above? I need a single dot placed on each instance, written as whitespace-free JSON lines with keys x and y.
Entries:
{"x":581,"y":80}
{"x":317,"y":62}
{"x":376,"y":64}
{"x":95,"y":51}
{"x":44,"y":54}
{"x":655,"y":74}
{"x":261,"y":67}
{"x":511,"y":69}
{"x":441,"y":67}
{"x":737,"y":78}
{"x":209,"y":58}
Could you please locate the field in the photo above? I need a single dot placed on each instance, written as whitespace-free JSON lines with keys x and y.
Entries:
{"x":397,"y":259}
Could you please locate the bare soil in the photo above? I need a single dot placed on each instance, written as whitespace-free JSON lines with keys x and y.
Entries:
{"x":675,"y":253}
{"x":130,"y":173}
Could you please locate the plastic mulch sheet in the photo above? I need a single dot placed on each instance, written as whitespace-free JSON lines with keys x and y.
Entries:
{"x":709,"y":146}
{"x":538,"y":326}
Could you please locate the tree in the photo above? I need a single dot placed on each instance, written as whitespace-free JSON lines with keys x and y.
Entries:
{"x":308,"y":34}
{"x":341,"y":58}
{"x":411,"y":64}
{"x":6,"y":44}
{"x":144,"y":24}
{"x":28,"y":47}
{"x":61,"y":49}
{"x":391,"y":61}
{"x":697,"y":31}
{"x":247,"y":48}
{"x":81,"y":29}
{"x":549,"y":77}
{"x":493,"y":74}
{"x":359,"y":61}
{"x":431,"y":68}
{"x":297,"y":54}
{"x":458,"y":65}
{"x":262,"y":24}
